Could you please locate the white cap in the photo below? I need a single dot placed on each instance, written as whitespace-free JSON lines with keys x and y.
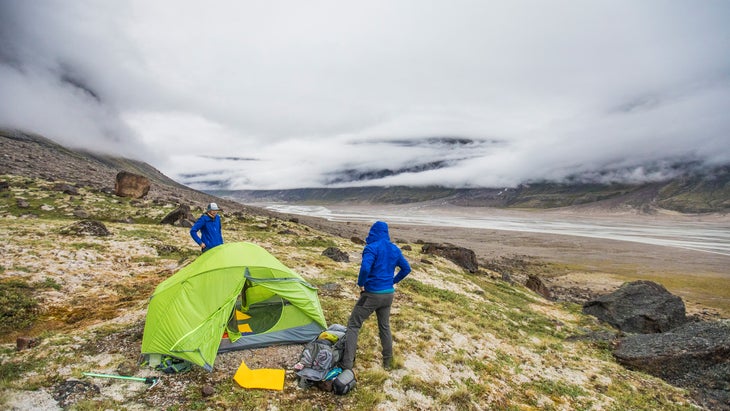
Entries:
{"x":213,"y":207}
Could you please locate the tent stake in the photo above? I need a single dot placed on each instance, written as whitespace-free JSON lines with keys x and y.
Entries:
{"x":148,"y":380}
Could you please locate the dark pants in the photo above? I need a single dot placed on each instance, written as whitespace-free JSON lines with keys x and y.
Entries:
{"x":369,"y":302}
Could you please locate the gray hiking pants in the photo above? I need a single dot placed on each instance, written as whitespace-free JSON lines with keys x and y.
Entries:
{"x":368,"y":302}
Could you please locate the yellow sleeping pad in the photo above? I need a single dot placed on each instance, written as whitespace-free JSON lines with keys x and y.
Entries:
{"x":265,"y":378}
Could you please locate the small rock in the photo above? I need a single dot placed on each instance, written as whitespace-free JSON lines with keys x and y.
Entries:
{"x":66,"y":189}
{"x":336,"y":255}
{"x":127,"y":368}
{"x":207,"y":391}
{"x":536,"y":284}
{"x":23,"y":343}
{"x":69,"y":392}
{"x":80,"y":214}
{"x":86,"y":227}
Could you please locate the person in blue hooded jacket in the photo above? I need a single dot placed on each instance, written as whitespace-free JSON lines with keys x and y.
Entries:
{"x":209,"y":226}
{"x":376,"y":281}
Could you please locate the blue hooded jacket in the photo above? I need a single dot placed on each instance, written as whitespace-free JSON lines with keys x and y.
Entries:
{"x":210,"y":230}
{"x":379,"y":260}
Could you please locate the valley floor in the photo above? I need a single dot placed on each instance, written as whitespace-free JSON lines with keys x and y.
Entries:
{"x":599,"y":264}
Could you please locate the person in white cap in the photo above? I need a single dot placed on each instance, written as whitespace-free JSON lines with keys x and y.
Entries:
{"x":209,"y":226}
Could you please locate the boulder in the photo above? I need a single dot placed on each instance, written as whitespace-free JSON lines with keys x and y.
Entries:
{"x":71,"y":391}
{"x":463,"y":257}
{"x":357,"y":240}
{"x":131,"y":185}
{"x":4,"y":185}
{"x":695,"y":356}
{"x":535,"y":284}
{"x":24,"y":343}
{"x":336,"y":254}
{"x":178,"y":216}
{"x":639,"y":307}
{"x":207,"y":390}
{"x":78,"y":213}
{"x":66,"y":189}
{"x":86,"y":227}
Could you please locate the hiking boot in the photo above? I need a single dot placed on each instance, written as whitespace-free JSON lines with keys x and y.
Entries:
{"x":387,"y":364}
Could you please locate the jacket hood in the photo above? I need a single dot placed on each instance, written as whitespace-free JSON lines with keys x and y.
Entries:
{"x":379,"y":231}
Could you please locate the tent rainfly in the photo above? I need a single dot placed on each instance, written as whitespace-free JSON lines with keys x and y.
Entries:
{"x":233,"y":297}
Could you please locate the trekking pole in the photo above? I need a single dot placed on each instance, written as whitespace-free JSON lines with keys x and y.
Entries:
{"x":148,"y":380}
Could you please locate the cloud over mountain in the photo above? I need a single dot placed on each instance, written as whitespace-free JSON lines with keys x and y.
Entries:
{"x":288,"y":94}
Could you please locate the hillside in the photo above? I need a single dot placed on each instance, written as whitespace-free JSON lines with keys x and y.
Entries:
{"x":30,"y":155}
{"x":462,"y":341}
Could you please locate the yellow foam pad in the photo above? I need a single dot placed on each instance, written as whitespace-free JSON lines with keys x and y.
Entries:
{"x":264,"y":378}
{"x":242,"y":316}
{"x":244,"y":328}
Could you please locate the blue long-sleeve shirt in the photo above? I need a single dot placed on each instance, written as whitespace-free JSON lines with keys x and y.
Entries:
{"x":380,"y":258}
{"x":210,"y":230}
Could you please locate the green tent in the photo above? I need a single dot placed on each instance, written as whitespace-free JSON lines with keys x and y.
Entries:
{"x":233,"y":297}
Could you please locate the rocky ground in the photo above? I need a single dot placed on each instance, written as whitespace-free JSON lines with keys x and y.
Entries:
{"x":464,"y":341}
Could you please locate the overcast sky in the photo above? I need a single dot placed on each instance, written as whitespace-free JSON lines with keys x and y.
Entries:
{"x":286,"y":94}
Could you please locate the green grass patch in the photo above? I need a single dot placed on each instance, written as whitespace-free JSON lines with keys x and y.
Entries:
{"x":18,"y":308}
{"x":431,"y":292}
{"x":319,"y":242}
{"x":142,"y":233}
{"x":554,"y":388}
{"x":410,"y":382}
{"x":647,"y":397}
{"x":89,"y":246}
{"x":11,"y":371}
{"x":48,"y":282}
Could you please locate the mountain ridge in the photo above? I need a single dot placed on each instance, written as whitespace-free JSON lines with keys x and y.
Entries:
{"x":690,"y":194}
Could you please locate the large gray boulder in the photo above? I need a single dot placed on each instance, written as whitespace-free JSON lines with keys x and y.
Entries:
{"x":181,"y":216}
{"x":695,"y":356}
{"x":643,"y":307}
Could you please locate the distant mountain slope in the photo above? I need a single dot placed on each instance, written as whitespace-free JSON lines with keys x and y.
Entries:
{"x":31,"y":155}
{"x":693,"y":193}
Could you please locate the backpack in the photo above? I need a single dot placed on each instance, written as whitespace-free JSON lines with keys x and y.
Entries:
{"x":321,"y":356}
{"x":344,"y":382}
